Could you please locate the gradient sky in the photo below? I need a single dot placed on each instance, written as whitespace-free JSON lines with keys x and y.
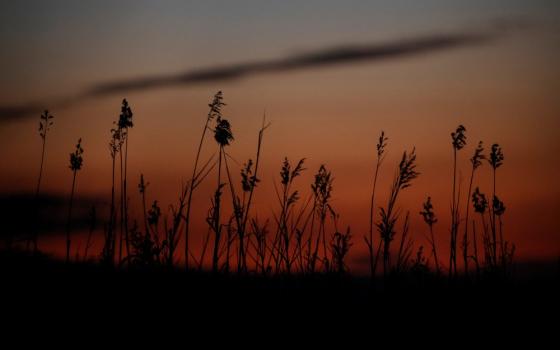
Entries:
{"x":504,"y":91}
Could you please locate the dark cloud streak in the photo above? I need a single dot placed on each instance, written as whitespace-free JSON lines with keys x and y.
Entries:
{"x":342,"y":55}
{"x":322,"y":58}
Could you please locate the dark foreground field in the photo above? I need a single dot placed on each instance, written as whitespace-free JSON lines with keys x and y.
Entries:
{"x":89,"y":303}
{"x":44,"y":281}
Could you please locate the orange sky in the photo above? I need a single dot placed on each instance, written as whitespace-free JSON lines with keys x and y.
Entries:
{"x":504,"y":92}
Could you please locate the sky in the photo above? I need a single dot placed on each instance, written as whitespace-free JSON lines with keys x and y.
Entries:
{"x":503,"y":88}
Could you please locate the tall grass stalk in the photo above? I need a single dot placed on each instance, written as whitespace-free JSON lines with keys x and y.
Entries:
{"x":476,"y":161}
{"x":406,"y":172}
{"x":495,"y":159}
{"x":430,"y":219}
{"x":76,"y":162}
{"x":215,"y":111}
{"x":222,"y":136}
{"x":373,"y":256}
{"x":45,"y":123}
{"x":458,"y":140}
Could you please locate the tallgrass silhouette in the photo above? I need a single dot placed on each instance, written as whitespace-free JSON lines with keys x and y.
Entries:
{"x":302,"y":237}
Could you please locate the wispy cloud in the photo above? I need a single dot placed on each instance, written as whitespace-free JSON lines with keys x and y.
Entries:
{"x":328,"y":57}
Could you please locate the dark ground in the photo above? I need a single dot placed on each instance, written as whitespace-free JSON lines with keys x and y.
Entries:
{"x":38,"y":289}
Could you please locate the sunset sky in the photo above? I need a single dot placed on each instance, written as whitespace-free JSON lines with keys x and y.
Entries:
{"x":504,"y":89}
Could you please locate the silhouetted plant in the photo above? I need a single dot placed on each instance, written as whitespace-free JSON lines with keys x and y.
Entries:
{"x":142,"y":187}
{"x":115,"y":144}
{"x":419,"y":265}
{"x":45,"y":124}
{"x":124,"y":124}
{"x":495,"y":159}
{"x":215,"y":111}
{"x":172,"y":235}
{"x":406,"y":172}
{"x":374,"y":256}
{"x":260,"y":232}
{"x":340,"y":246}
{"x":480,"y":204}
{"x":430,"y":219}
{"x":458,"y":140}
{"x":405,"y":247}
{"x":76,"y":161}
{"x":145,"y":249}
{"x":498,"y":209}
{"x":321,"y":189}
{"x":249,"y":181}
{"x":476,"y":161}
{"x":287,"y":198}
{"x":223,"y":136}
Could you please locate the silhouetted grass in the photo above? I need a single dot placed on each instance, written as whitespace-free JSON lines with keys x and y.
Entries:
{"x":44,"y":126}
{"x":304,"y":238}
{"x":76,"y":161}
{"x":374,"y":255}
{"x":430,"y":219}
{"x":406,"y":173}
{"x":458,"y":140}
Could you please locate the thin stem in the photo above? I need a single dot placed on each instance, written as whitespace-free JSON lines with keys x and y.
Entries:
{"x":68,"y":242}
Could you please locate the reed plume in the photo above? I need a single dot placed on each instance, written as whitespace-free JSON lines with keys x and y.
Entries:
{"x":430,"y":219}
{"x":76,"y":161}
{"x":406,"y":173}
{"x":458,"y":141}
{"x":374,"y":255}
{"x":45,"y":123}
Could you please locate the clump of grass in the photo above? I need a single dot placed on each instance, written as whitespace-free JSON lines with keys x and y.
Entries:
{"x":76,"y":162}
{"x":261,"y":247}
{"x":340,"y":247}
{"x":287,"y":198}
{"x":406,"y":173}
{"x":45,"y":123}
{"x":430,"y":219}
{"x":373,"y":256}
{"x":405,"y":247}
{"x":322,"y":190}
{"x":281,"y":252}
{"x":458,"y":141}
{"x":249,"y":181}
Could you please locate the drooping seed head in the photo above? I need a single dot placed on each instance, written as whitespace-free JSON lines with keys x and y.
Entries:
{"x":496,"y":156}
{"x":216,"y":106}
{"x":248,"y":180}
{"x":76,"y":159}
{"x":125,"y":118}
{"x":45,"y":123}
{"x":498,"y":206}
{"x":222,"y":132}
{"x":154,"y":213}
{"x":477,"y":158}
{"x":428,"y":212}
{"x":381,"y":144}
{"x":459,"y":139}
{"x":479,"y":200}
{"x":407,"y":169}
{"x":142,"y":185}
{"x":322,"y":186}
